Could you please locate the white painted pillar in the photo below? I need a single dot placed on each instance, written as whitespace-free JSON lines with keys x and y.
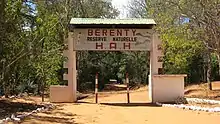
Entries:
{"x":96,"y":88}
{"x":155,"y":53}
{"x":72,"y":83}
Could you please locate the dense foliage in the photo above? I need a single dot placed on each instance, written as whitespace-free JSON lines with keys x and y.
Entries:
{"x":32,"y":40}
{"x":190,"y":34}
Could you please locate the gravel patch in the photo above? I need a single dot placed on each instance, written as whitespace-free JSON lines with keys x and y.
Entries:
{"x":196,"y":104}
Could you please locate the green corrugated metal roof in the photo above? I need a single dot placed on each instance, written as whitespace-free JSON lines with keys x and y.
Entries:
{"x":92,"y":21}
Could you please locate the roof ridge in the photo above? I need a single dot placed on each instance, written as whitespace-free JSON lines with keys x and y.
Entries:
{"x":142,"y":21}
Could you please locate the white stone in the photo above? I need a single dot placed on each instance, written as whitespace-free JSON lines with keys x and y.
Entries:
{"x":39,"y":109}
{"x":211,"y":110}
{"x":217,"y":109}
{"x":8,"y":119}
{"x":28,"y":114}
{"x":22,"y":116}
{"x":17,"y":119}
{"x":1,"y":121}
{"x":34,"y":111}
{"x":203,"y":101}
{"x":12,"y":116}
{"x":11,"y":97}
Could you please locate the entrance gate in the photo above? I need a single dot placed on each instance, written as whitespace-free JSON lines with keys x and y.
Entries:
{"x":118,"y":35}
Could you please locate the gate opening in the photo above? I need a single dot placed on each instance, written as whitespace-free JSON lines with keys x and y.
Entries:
{"x":90,"y":34}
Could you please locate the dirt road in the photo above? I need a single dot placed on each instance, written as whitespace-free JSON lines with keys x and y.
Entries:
{"x":114,"y":111}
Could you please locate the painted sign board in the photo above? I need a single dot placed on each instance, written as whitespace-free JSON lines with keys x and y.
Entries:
{"x":112,"y":39}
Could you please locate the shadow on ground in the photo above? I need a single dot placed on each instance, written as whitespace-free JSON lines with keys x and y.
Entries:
{"x":132,"y":104}
{"x":56,"y":116}
{"x":80,"y":97}
{"x":36,"y":119}
{"x":192,"y":91}
{"x":59,"y":113}
{"x":83,"y":102}
{"x":123,"y":104}
{"x":7,"y":108}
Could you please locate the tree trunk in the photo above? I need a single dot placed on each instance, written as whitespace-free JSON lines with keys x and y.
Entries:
{"x":38,"y":87}
{"x":209,"y":76}
{"x":204,"y":73}
{"x":218,"y":57}
{"x":5,"y":82}
{"x":6,"y":91}
{"x":42,"y":91}
{"x":209,"y":68}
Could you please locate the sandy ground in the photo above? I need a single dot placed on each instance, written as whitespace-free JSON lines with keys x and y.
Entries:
{"x":112,"y":109}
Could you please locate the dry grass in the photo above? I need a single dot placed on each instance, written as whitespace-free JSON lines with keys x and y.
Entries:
{"x":202,"y":91}
{"x":18,"y":106}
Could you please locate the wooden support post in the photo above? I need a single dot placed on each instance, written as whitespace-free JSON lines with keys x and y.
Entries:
{"x":127,"y":82}
{"x":96,"y":88}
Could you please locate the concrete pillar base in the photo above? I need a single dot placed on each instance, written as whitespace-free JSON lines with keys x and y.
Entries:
{"x":61,"y":94}
{"x":166,"y":88}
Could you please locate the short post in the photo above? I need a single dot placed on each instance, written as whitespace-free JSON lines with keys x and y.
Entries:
{"x":96,"y":88}
{"x":127,"y":82}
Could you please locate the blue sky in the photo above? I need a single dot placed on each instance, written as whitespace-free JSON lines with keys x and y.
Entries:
{"x":120,"y":5}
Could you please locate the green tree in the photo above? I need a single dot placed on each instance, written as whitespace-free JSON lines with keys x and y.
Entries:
{"x":32,"y":40}
{"x":184,"y":49}
{"x":203,"y":25}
